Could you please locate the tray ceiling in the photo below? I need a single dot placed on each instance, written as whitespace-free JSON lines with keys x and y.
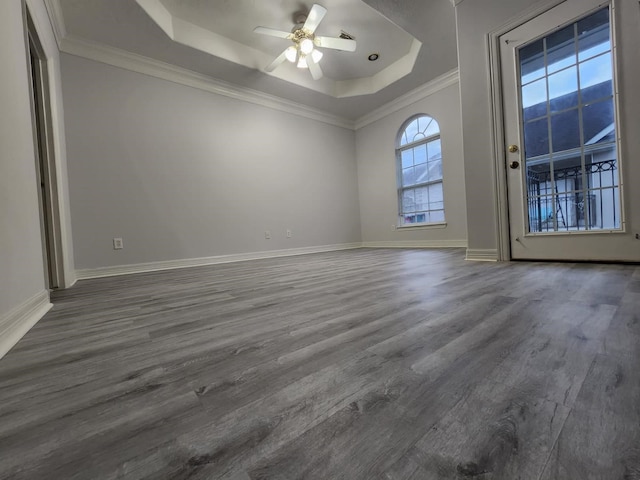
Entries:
{"x":225,"y":29}
{"x":416,"y":41}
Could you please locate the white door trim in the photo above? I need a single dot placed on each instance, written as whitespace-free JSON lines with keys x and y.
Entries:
{"x":52,"y":175}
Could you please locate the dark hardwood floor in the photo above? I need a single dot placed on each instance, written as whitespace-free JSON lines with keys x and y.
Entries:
{"x":361,"y":364}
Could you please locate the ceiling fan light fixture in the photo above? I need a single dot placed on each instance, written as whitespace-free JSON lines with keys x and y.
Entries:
{"x":303,"y":51}
{"x":306,"y":46}
{"x":316,"y":55}
{"x":291,"y":53}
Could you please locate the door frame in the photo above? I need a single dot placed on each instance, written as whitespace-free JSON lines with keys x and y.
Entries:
{"x":45,"y":158}
{"x":497,"y":113}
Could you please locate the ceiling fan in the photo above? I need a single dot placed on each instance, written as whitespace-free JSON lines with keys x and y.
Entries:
{"x":303,"y":52}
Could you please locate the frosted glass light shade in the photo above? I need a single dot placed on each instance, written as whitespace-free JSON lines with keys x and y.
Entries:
{"x":291,"y":53}
{"x":306,"y":46}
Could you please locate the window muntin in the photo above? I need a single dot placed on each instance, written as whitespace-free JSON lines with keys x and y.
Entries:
{"x":568,"y":110}
{"x":419,"y":164}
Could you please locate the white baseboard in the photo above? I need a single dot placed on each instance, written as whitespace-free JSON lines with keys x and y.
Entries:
{"x":417,"y":244}
{"x":15,"y":324}
{"x":196,"y":262}
{"x":482,"y":255}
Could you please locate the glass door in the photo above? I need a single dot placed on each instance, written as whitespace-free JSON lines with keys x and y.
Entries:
{"x":560,"y":124}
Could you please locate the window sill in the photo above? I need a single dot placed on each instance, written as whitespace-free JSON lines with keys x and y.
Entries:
{"x":421,"y":226}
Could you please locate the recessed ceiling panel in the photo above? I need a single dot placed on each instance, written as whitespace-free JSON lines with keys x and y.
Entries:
{"x":224,"y":29}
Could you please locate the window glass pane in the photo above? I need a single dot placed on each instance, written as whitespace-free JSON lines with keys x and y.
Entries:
{"x":532,"y":62}
{"x":593,"y":34}
{"x":563,"y":89}
{"x":408,"y":202}
{"x":420,"y":154}
{"x":423,"y":123}
{"x":534,"y":99}
{"x":596,"y":78}
{"x":541,"y":213}
{"x":412,"y":130}
{"x":561,"y":49}
{"x":602,"y":167}
{"x":435,"y":170}
{"x":421,"y":173}
{"x":421,"y":218}
{"x":536,"y":138}
{"x":408,"y":177}
{"x":435,"y":150}
{"x":565,"y":130}
{"x":435,"y":194}
{"x":432,"y":129}
{"x":422,"y":198}
{"x":598,"y":122}
{"x":407,"y":158}
{"x":595,"y":50}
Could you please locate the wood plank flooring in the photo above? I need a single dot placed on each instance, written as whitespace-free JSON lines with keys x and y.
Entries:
{"x":361,"y":364}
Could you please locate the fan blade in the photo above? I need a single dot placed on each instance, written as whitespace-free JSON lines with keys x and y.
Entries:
{"x":336,"y":43}
{"x":279,"y":59}
{"x":314,"y":68}
{"x":314,"y":18}
{"x":273,"y":33}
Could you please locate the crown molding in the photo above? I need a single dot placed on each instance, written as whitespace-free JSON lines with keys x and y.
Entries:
{"x":54,"y":10}
{"x":409,"y":98}
{"x":155,"y":68}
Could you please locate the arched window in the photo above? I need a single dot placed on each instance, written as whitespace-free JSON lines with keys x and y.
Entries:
{"x":419,"y":160}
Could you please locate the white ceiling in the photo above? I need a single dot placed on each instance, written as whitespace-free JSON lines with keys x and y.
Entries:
{"x":225,"y":30}
{"x":220,"y":44}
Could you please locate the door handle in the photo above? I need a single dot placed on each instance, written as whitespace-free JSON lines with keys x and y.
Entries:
{"x":513,"y":164}
{"x":513,"y":148}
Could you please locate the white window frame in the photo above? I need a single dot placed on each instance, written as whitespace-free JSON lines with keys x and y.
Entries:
{"x":399,"y":170}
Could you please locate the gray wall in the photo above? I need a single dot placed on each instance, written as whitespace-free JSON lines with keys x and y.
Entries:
{"x":21,"y":259}
{"x":476,"y":19}
{"x":180,"y":173}
{"x":375,"y":147}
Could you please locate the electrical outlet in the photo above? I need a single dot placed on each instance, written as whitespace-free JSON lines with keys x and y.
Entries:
{"x":289,"y":233}
{"x":267,"y":235}
{"x":117,"y":244}
{"x":637,"y":236}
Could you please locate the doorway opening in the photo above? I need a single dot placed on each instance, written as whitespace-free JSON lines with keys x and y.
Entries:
{"x":44,"y":154}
